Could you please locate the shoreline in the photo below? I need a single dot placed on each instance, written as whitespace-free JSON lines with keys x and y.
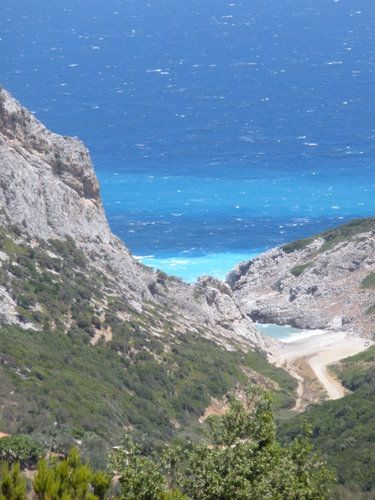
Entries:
{"x":319,"y":352}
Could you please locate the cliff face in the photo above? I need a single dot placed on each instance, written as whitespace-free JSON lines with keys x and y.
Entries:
{"x":48,"y":189}
{"x":327,"y":281}
{"x":47,"y":181}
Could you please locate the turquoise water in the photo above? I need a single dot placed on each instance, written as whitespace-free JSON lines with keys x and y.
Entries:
{"x":286,"y":333}
{"x":190,"y":267}
{"x":278,"y":332}
{"x":218,"y":129}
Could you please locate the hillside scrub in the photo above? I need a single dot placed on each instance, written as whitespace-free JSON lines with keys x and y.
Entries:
{"x":241,"y":458}
{"x":58,"y":382}
{"x":333,"y":237}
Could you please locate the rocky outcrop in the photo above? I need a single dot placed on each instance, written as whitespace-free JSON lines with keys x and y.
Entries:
{"x":322,"y":282}
{"x":48,"y":189}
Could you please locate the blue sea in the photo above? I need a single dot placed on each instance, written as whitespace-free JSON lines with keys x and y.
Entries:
{"x":218,"y":129}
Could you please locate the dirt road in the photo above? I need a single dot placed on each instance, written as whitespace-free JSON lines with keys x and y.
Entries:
{"x":322,"y":350}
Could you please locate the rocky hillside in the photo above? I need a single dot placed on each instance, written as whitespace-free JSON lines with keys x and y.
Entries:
{"x":326,"y":281}
{"x":90,"y":340}
{"x":48,"y":189}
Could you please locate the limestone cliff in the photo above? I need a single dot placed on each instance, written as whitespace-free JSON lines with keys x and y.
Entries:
{"x":327,"y":281}
{"x":48,"y":189}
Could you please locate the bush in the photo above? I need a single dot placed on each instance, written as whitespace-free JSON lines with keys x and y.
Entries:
{"x":298,"y":270}
{"x":20,"y":448}
{"x":369,"y":281}
{"x":241,"y":460}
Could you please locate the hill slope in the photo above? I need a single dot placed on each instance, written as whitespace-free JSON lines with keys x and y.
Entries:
{"x":91,"y":342}
{"x":48,"y":189}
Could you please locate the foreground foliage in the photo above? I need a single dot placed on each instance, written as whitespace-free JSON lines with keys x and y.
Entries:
{"x":69,"y":478}
{"x":12,"y":482}
{"x":242,"y":459}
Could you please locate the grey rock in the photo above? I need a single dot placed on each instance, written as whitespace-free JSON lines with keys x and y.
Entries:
{"x":48,"y":188}
{"x":327,"y":294}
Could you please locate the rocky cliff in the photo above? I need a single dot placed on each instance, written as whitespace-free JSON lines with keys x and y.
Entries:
{"x":48,"y":188}
{"x":326,"y":281}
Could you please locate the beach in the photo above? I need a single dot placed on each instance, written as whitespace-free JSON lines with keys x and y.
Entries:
{"x":319,"y":351}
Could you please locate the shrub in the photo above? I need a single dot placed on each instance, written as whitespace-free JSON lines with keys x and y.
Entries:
{"x":369,"y":281}
{"x":20,"y":448}
{"x":298,"y":270}
{"x":241,"y":460}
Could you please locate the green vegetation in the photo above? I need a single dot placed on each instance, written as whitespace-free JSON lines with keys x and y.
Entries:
{"x":241,"y":459}
{"x":298,"y":270}
{"x":55,"y":479}
{"x":61,"y":382}
{"x":297,"y":245}
{"x":12,"y":482}
{"x":70,"y":479}
{"x":371,"y":310}
{"x":333,"y":237}
{"x":50,"y":283}
{"x":345,"y":429}
{"x":65,"y":381}
{"x":22,"y":449}
{"x":369,"y":281}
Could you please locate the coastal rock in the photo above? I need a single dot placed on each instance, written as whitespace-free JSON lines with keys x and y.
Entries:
{"x":49,"y":190}
{"x":318,"y":283}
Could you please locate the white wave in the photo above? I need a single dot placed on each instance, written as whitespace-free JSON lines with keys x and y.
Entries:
{"x":303,"y":334}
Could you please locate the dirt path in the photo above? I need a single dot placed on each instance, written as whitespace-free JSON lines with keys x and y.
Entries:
{"x":332,"y":386}
{"x":298,"y":406}
{"x":320,"y":351}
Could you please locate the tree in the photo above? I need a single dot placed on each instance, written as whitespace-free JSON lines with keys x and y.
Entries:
{"x":12,"y":483}
{"x":140,"y":477}
{"x":242,"y":459}
{"x":69,"y":478}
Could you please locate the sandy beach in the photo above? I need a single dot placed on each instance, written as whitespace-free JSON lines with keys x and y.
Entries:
{"x":320,"y":351}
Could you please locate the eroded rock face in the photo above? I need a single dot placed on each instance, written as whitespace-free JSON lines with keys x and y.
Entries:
{"x":47,"y":182}
{"x":8,"y":313}
{"x":48,"y":189}
{"x":317,"y":286}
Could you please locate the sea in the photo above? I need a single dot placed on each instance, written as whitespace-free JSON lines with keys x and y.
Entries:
{"x":218,"y":129}
{"x":286,"y":333}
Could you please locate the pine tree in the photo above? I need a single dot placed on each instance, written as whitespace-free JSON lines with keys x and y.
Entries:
{"x":12,"y":483}
{"x":69,"y":479}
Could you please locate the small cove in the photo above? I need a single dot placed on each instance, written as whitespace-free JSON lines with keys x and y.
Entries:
{"x":286,"y":333}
